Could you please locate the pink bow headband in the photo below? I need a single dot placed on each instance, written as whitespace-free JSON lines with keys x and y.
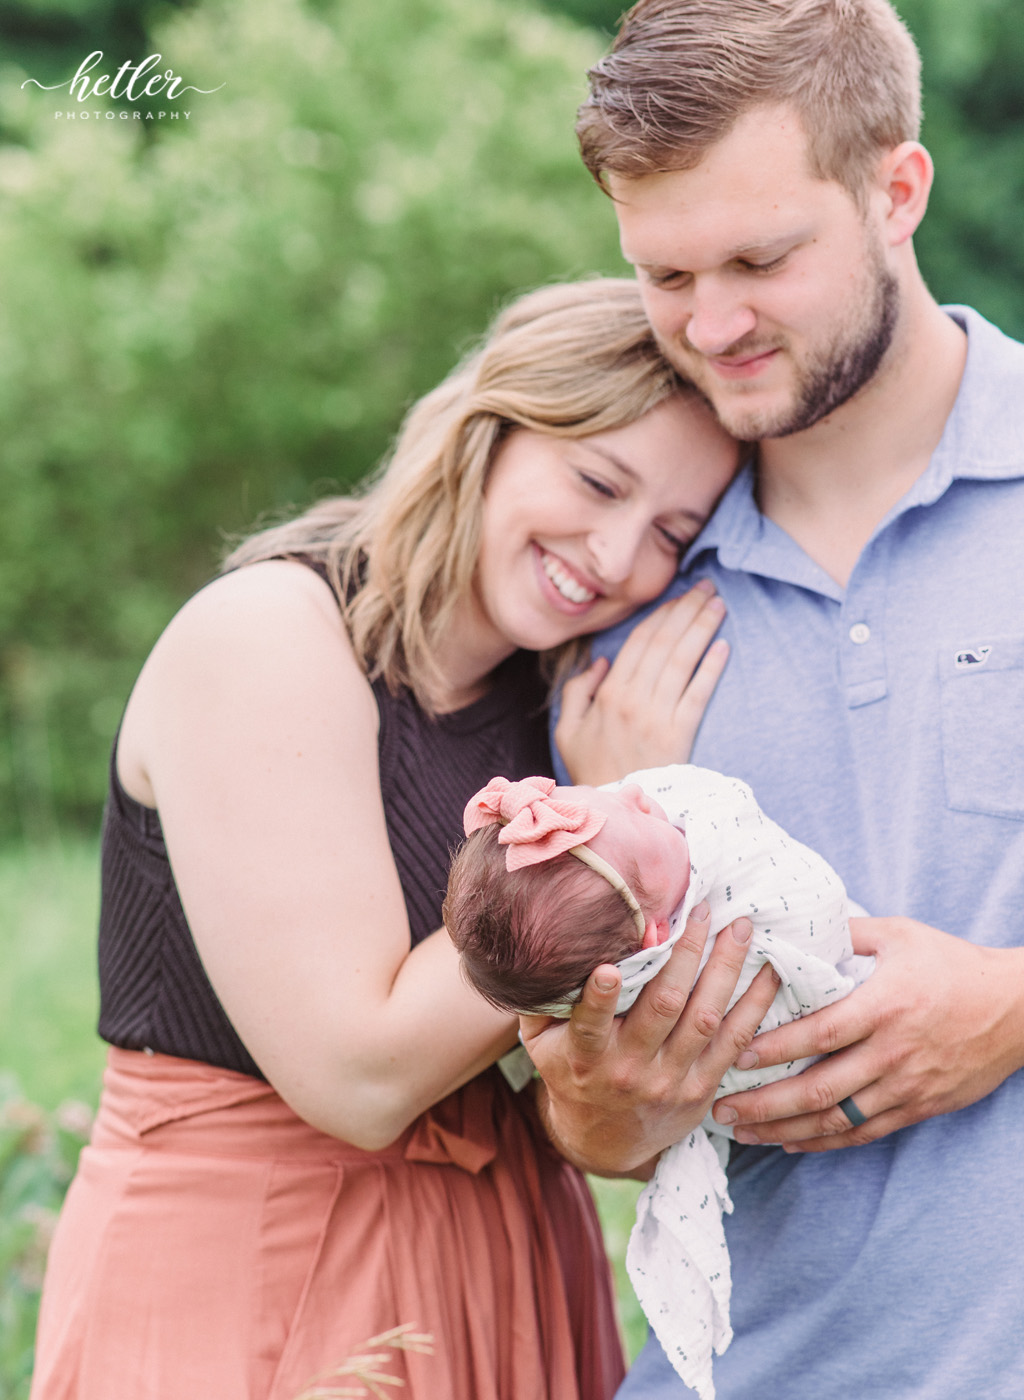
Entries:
{"x":537,"y":826}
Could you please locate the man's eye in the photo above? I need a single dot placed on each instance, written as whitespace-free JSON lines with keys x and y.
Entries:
{"x":763,"y":267}
{"x":667,"y":281}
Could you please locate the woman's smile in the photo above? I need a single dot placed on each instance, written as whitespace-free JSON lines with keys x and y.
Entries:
{"x":566,"y":582}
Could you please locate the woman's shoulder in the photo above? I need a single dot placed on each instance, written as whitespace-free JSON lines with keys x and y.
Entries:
{"x":261,"y":647}
{"x":254,"y":614}
{"x":267,"y":588}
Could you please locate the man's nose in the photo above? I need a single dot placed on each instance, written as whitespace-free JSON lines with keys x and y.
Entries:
{"x":718,"y":320}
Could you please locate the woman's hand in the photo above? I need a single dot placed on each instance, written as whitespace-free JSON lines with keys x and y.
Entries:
{"x":643,"y":709}
{"x":620,"y":1089}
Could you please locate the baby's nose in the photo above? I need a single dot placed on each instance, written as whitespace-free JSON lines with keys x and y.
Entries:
{"x":634,"y":794}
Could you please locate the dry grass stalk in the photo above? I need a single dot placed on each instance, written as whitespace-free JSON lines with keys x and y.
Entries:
{"x":365,"y":1365}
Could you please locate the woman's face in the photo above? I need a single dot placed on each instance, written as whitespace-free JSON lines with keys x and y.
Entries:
{"x":579,"y":533}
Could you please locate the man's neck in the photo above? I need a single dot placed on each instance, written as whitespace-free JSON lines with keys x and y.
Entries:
{"x":829,"y":487}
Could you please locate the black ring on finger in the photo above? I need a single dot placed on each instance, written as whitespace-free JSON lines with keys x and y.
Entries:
{"x":853,"y":1112}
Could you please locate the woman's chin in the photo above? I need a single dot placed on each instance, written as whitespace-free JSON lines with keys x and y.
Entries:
{"x":559,"y":630}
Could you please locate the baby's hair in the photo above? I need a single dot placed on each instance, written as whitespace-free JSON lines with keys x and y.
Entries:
{"x":529,"y":937}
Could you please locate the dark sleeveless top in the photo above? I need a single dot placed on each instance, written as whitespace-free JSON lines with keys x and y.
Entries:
{"x":154,"y":991}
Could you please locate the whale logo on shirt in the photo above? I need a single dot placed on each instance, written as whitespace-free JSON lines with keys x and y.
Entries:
{"x":977,"y":656}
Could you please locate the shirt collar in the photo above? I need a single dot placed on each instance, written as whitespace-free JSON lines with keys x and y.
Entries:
{"x":983,"y":440}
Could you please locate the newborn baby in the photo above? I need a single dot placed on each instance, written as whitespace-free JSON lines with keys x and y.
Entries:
{"x":554,"y":881}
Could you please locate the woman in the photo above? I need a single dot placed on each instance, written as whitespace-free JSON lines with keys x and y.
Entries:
{"x":303,"y":1143}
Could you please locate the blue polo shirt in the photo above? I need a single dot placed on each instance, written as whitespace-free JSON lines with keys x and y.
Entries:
{"x":883,"y":725}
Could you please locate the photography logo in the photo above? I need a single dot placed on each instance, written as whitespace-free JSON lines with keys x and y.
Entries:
{"x":131,"y":83}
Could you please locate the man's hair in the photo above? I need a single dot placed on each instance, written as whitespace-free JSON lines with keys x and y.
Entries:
{"x":529,"y":937}
{"x":681,"y":72}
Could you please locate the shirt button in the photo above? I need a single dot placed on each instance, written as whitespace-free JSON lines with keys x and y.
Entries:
{"x":860,"y":633}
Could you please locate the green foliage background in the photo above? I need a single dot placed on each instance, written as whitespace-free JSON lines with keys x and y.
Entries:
{"x":200,"y":320}
{"x":206,"y":319}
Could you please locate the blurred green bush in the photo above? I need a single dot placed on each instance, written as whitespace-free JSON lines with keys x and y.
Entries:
{"x":201,"y":320}
{"x":970,"y":246}
{"x":38,"y":1152}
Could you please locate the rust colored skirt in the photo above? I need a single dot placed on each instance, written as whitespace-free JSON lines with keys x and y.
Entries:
{"x":215,"y":1245}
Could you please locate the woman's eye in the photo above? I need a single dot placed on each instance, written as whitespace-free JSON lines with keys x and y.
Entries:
{"x":677,"y":542}
{"x":596,"y":484}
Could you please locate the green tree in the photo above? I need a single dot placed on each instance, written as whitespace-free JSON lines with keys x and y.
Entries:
{"x":44,"y":36}
{"x":198,"y":326}
{"x":969,"y":245}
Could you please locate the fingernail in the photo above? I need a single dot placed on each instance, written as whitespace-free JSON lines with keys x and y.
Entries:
{"x":716,"y":606}
{"x":605,"y":983}
{"x":741,"y":930}
{"x":705,"y":585}
{"x":748,"y":1060}
{"x":745,"y":1136}
{"x":726,"y":1115}
{"x":701,"y":911}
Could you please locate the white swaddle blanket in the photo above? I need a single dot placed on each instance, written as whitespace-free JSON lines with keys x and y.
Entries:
{"x":742,"y":863}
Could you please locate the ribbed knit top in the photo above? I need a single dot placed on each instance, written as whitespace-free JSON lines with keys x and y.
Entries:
{"x":154,"y":991}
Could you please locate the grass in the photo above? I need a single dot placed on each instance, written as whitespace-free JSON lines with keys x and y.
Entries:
{"x":49,"y":899}
{"x":616,"y":1205}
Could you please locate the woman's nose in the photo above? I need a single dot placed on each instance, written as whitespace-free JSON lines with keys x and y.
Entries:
{"x":614,"y":550}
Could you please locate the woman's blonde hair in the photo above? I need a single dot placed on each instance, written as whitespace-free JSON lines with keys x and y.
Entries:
{"x":569,"y":360}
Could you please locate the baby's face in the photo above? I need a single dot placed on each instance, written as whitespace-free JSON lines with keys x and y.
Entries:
{"x":638,"y":834}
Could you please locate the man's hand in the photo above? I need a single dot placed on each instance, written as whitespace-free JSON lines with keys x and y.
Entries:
{"x":619,"y":1090}
{"x":938,"y":1025}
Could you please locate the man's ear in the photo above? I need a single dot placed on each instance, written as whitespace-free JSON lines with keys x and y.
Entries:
{"x":656,"y":932}
{"x":904,"y":182}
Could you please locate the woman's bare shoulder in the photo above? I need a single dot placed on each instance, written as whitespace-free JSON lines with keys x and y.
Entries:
{"x":271,"y":589}
{"x":266,"y":639}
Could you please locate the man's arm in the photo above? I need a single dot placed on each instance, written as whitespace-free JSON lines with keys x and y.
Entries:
{"x":938,"y":1025}
{"x":619,"y":1090}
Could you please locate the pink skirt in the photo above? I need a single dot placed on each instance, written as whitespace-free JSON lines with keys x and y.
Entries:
{"x":215,"y":1245}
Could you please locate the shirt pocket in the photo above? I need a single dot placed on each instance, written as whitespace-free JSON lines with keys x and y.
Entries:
{"x":982,"y":700}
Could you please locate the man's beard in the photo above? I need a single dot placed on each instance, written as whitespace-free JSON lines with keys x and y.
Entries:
{"x":830,"y":378}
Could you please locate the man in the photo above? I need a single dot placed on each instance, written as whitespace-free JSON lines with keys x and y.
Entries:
{"x":763,"y":161}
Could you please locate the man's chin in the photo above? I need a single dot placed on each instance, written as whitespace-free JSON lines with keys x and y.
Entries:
{"x":753,"y":422}
{"x":740,"y":414}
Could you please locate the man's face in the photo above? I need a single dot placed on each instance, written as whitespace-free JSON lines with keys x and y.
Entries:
{"x":767,"y":287}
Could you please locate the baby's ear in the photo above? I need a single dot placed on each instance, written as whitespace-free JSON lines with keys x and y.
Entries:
{"x":656,"y":932}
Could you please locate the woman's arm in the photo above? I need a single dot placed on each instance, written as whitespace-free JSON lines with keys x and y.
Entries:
{"x":254,"y":733}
